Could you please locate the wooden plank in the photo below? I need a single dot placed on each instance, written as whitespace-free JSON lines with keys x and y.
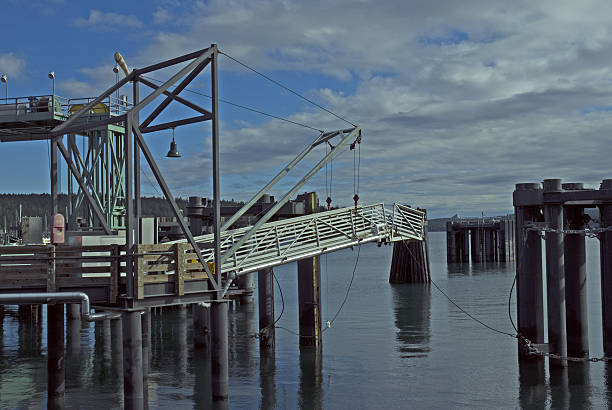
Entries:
{"x":114,"y":284}
{"x":158,"y":278}
{"x":158,"y":247}
{"x":74,"y":282}
{"x":61,"y":249}
{"x":84,"y":269}
{"x":24,"y":270}
{"x":196,"y":276}
{"x":180,"y":268}
{"x":139,"y":274}
{"x":13,"y":250}
{"x":6,"y":278}
{"x":51,"y":271}
{"x":160,"y":267}
{"x":16,"y":284}
{"x":158,"y":258}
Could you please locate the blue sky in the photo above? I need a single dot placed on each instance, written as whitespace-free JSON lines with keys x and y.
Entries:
{"x":458,"y":101}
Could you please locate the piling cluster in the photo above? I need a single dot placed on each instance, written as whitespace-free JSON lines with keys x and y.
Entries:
{"x":555,"y":212}
{"x":486,"y":239}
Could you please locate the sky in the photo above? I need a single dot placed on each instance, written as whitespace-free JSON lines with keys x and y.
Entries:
{"x":457,"y":100}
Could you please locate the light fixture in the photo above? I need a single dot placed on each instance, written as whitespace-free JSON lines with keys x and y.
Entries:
{"x":116,"y":69}
{"x":4,"y":79}
{"x":173,"y":153}
{"x":51,"y":76}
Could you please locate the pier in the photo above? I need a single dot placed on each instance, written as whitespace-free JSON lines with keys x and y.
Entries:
{"x":482,"y":239}
{"x":104,"y":255}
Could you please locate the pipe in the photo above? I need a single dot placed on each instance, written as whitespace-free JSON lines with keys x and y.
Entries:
{"x":62,"y":297}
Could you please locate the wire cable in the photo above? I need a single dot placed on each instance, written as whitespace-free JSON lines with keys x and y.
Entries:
{"x":286,"y":88}
{"x":347,"y":290}
{"x":454,"y":303}
{"x":244,"y":107}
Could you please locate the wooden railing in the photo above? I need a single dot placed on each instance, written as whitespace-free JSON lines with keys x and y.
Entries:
{"x":56,"y":268}
{"x":167,"y":263}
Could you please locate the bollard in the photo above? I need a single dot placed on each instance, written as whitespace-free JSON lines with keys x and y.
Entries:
{"x":555,"y":273}
{"x":575,"y":280}
{"x":529,"y":288}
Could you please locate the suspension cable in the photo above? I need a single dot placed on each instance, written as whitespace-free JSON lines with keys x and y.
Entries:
{"x":286,"y":88}
{"x":244,"y":107}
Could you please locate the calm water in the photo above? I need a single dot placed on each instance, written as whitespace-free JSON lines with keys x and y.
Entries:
{"x":401,"y":346}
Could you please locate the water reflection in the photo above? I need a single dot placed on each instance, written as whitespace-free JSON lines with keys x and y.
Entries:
{"x":310,"y":392}
{"x":267,"y":370}
{"x":532,"y":384}
{"x":411,"y":305}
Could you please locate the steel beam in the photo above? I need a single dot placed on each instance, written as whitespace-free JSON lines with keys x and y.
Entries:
{"x":77,"y":175}
{"x":171,"y":62}
{"x":215,"y":161}
{"x":175,"y":210}
{"x":177,"y":98}
{"x":178,"y":123}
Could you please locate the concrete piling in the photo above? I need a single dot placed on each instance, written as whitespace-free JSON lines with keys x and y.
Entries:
{"x":309,"y":299}
{"x":246,"y":283}
{"x":220,"y":352}
{"x":265,"y":297}
{"x":555,"y":274}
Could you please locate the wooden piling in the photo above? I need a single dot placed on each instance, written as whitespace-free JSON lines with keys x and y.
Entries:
{"x":56,"y":380}
{"x":605,"y":216}
{"x":410,"y":262}
{"x":476,"y":245}
{"x":575,"y":280}
{"x":265,"y":297}
{"x":220,"y":352}
{"x":133,"y":389}
{"x":309,"y":299}
{"x":529,"y":287}
{"x":555,"y":274}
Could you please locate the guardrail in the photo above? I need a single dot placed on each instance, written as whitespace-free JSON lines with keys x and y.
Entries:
{"x":19,"y":106}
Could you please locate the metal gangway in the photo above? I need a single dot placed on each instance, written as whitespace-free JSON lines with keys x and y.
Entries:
{"x":284,"y":241}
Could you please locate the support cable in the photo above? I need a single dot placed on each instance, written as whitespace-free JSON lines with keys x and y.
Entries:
{"x":286,"y":88}
{"x":244,"y":107}
{"x":348,"y":290}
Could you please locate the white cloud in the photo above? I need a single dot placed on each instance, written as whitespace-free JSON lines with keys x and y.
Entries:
{"x":458,"y":101}
{"x":161,"y":16}
{"x":11,"y":65}
{"x":101,"y":21}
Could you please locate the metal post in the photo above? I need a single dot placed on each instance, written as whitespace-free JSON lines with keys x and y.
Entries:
{"x":54,"y":178}
{"x":137,"y":205}
{"x":575,"y":280}
{"x":55,"y":345}
{"x":265,"y":298}
{"x":133,"y":389}
{"x":182,"y":342}
{"x":201,"y":324}
{"x":555,"y":274}
{"x":529,"y":287}
{"x":220,"y":352}
{"x":605,"y":216}
{"x":215,"y":160}
{"x":129,"y":211}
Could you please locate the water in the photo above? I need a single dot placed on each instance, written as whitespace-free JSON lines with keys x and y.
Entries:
{"x":391,"y":347}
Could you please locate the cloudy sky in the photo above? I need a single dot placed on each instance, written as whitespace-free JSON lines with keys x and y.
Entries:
{"x":458,"y":100}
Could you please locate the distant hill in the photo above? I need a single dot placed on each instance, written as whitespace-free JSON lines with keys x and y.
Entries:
{"x":40,"y":205}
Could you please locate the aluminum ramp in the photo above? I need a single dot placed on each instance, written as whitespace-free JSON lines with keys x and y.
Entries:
{"x":280,"y":242}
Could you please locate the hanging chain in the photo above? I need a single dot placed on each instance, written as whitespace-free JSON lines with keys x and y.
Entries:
{"x":590,"y":232}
